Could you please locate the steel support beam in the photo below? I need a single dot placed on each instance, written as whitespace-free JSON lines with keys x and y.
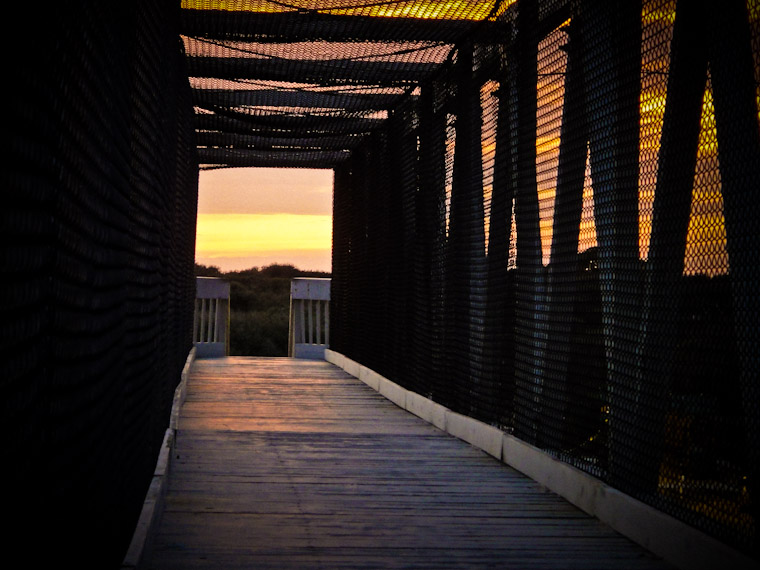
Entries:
{"x":322,"y":72}
{"x":298,"y":26}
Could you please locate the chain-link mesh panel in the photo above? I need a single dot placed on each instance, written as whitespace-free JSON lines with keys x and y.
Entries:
{"x":579,"y":265}
{"x":100,"y":190}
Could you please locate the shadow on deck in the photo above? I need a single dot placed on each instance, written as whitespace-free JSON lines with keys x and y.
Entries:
{"x":281,"y":463}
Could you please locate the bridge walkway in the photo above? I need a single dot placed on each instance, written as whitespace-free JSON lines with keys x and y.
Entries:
{"x":282,"y":463}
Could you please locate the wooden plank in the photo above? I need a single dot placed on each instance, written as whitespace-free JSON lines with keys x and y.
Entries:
{"x":309,"y":320}
{"x":319,"y":322}
{"x":327,"y":324}
{"x":282,"y":463}
{"x":303,"y":320}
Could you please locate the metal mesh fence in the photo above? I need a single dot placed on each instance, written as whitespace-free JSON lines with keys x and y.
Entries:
{"x":576,"y":260}
{"x":99,"y":203}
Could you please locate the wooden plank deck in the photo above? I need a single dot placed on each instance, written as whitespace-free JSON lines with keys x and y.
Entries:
{"x":288,"y":464}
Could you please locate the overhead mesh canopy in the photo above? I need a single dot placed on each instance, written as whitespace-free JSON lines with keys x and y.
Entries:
{"x":301,"y":83}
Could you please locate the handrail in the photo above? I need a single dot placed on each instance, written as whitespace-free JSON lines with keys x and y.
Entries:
{"x":309,"y":331}
{"x":211,"y":321}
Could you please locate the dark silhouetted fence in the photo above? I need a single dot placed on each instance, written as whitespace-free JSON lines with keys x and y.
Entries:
{"x":98,"y":217}
{"x":560,"y":237}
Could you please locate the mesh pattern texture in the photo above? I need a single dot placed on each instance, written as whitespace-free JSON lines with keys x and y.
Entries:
{"x":545,"y":217}
{"x":100,"y":192}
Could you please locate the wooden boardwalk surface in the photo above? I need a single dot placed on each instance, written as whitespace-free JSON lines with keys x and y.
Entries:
{"x":287,"y":464}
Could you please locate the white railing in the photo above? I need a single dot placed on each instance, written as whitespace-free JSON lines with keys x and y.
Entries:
{"x":211,"y":322}
{"x":309,"y":333}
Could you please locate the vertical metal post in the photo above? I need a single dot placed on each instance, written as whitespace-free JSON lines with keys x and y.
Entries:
{"x":736,"y":117}
{"x":568,"y":208}
{"x":529,"y":281}
{"x":612,"y":67}
{"x":499,"y":312}
{"x":670,"y":224}
{"x":431,"y":238}
{"x":466,"y":245}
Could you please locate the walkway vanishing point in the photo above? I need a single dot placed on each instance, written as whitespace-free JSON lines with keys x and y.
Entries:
{"x":284,"y":463}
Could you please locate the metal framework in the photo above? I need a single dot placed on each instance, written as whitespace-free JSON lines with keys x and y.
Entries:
{"x":546,"y":216}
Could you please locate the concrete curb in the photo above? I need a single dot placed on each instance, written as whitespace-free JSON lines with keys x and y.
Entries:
{"x":154,"y":499}
{"x":427,"y":409}
{"x":393,"y":392}
{"x":665,"y":536}
{"x":474,"y":432}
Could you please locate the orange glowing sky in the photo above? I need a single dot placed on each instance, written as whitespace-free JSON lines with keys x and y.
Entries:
{"x":252,"y":217}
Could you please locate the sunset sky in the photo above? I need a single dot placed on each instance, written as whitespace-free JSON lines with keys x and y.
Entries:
{"x":252,"y":217}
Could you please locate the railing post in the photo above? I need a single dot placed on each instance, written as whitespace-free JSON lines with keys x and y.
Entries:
{"x":212,"y":317}
{"x":309,"y":299}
